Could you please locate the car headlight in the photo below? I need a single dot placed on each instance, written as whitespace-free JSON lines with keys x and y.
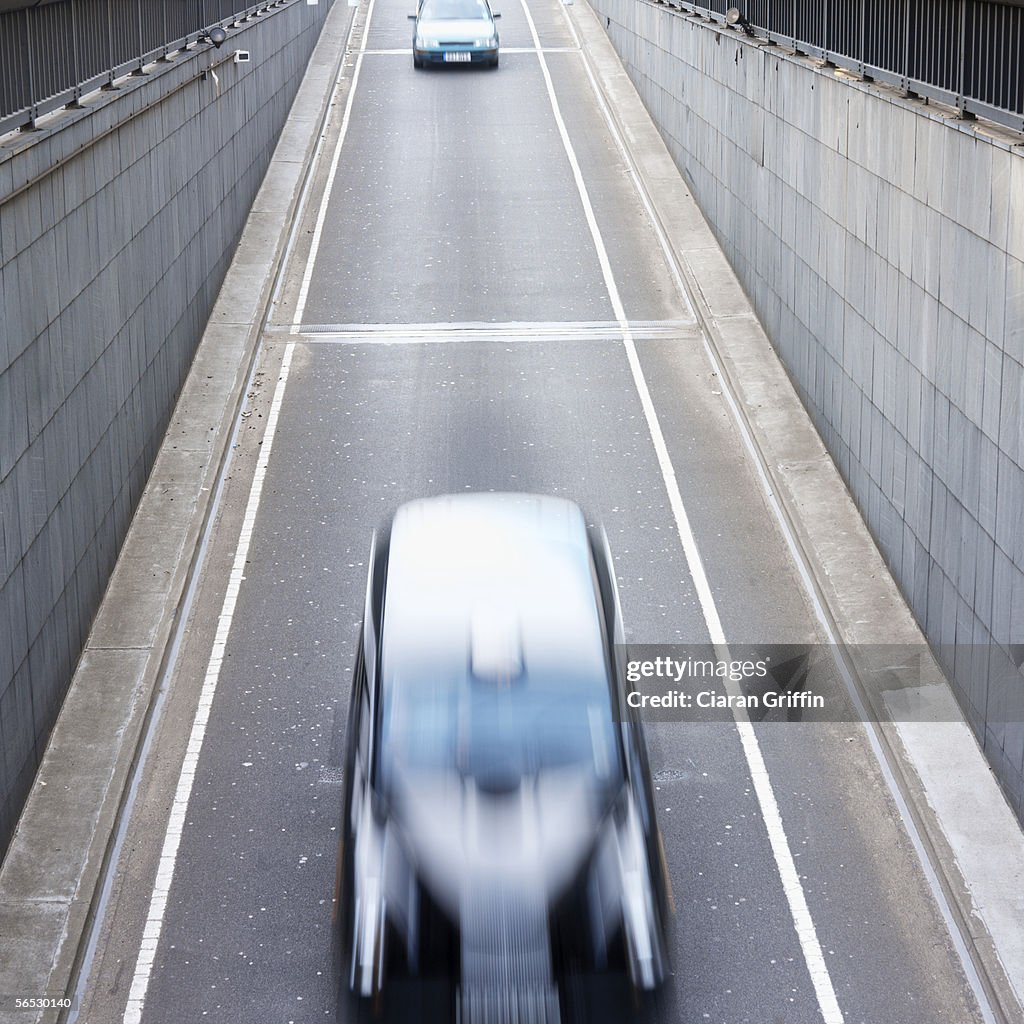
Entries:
{"x":423,"y":43}
{"x":489,"y":41}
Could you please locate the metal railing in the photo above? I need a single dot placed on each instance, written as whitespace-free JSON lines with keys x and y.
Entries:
{"x":52,"y":55}
{"x":966,"y":53}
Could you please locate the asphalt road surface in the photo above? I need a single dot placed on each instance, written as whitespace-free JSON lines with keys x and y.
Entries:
{"x":465,"y":318}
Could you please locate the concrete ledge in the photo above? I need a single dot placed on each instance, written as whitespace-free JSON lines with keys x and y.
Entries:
{"x":976,"y":843}
{"x":54,"y":867}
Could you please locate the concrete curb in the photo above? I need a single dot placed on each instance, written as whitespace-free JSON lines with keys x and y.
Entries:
{"x":55,"y":865}
{"x":967,"y":827}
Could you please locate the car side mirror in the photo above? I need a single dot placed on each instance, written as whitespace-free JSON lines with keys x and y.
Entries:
{"x":411,"y":17}
{"x":498,"y":15}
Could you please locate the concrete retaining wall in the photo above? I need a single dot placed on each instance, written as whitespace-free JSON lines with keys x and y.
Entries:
{"x":882,"y":245}
{"x":117,"y":225}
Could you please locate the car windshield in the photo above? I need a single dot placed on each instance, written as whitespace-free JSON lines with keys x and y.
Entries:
{"x":497,"y":735}
{"x":463,"y":10}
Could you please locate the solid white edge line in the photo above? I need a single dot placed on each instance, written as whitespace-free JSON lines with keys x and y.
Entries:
{"x":321,"y":216}
{"x":186,"y":603}
{"x":804,"y":571}
{"x":314,"y":162}
{"x":803,"y":923}
{"x":175,"y":826}
{"x":179,"y":808}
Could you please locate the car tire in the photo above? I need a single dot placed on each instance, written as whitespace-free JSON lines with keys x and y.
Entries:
{"x":494,"y":63}
{"x":417,"y":62}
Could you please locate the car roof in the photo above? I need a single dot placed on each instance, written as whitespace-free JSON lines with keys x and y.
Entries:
{"x":491,"y":584}
{"x":422,"y":3}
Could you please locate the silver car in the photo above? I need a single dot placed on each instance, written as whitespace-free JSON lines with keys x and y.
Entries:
{"x":454,"y":32}
{"x":498,"y":829}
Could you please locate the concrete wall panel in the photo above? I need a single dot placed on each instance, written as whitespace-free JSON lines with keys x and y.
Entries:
{"x":882,"y":245}
{"x":110,"y":261}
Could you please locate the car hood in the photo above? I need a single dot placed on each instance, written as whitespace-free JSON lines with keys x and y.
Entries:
{"x":452,"y":30}
{"x":462,"y":839}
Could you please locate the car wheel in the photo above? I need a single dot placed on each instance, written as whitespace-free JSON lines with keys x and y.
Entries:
{"x":417,"y":62}
{"x":494,"y":63}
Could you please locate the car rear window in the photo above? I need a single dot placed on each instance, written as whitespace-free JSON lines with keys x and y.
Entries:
{"x":466,"y":10}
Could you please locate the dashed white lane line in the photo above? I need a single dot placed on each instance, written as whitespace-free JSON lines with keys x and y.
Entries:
{"x":179,"y":809}
{"x":803,"y":923}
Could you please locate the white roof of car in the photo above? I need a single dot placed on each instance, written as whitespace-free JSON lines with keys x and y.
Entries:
{"x":491,"y":585}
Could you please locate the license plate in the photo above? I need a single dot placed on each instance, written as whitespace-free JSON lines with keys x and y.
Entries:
{"x":457,"y":55}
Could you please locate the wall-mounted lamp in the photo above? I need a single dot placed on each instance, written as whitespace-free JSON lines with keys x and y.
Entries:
{"x":216,"y":35}
{"x":733,"y":16}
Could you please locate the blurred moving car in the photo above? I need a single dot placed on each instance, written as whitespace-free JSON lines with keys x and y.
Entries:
{"x":454,"y":31}
{"x":498,"y":819}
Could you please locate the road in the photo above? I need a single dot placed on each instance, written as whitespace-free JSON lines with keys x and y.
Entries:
{"x":485,"y":304}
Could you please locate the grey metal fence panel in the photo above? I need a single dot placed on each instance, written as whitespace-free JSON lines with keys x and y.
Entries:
{"x":969,"y":53}
{"x":811,"y":24}
{"x":51,"y":55}
{"x":996,"y":39}
{"x":15,"y":77}
{"x":885,"y":34}
{"x":937,"y":49}
{"x":50,"y":75}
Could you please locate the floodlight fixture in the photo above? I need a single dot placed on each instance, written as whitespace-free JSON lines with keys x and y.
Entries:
{"x":216,"y":35}
{"x":734,"y":16}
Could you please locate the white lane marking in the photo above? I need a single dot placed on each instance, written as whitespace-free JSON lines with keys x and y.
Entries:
{"x":186,"y":604}
{"x":179,"y":809}
{"x":634,"y":175}
{"x":314,"y":161}
{"x":321,"y":216}
{"x":446,"y":333}
{"x":407,"y":51}
{"x":795,"y":897}
{"x":955,"y":930}
{"x":461,"y":339}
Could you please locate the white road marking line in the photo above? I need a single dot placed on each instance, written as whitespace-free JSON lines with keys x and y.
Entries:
{"x":446,"y":333}
{"x":634,"y":175}
{"x":803,"y":569}
{"x":453,"y":339}
{"x":321,"y":216}
{"x":795,"y":897}
{"x":392,"y":341}
{"x":407,"y":51}
{"x":179,"y":808}
{"x":186,"y":604}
